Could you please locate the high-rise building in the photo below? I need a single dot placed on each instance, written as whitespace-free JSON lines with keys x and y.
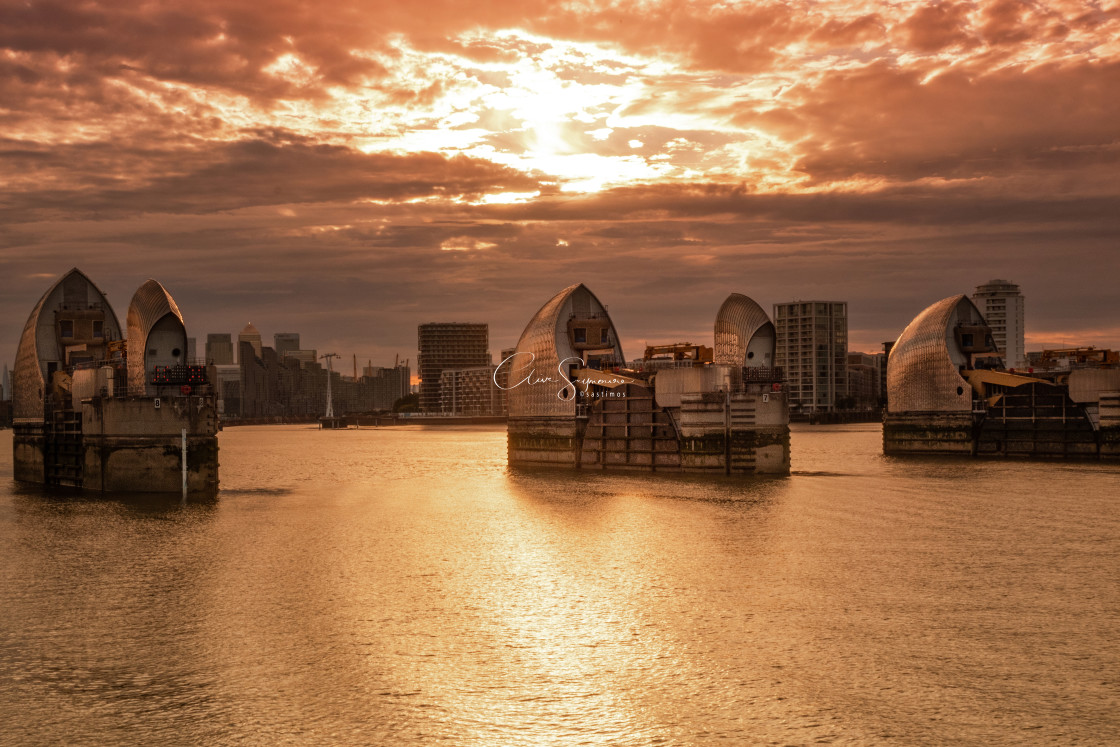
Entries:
{"x":219,"y":349}
{"x":227,"y":387}
{"x":883,"y":358}
{"x":448,"y":345}
{"x":863,"y":380}
{"x":388,"y":384}
{"x":470,"y":391}
{"x":305,"y":357}
{"x":1003,"y":307}
{"x":252,"y":336}
{"x":285,"y":343}
{"x":812,"y":350}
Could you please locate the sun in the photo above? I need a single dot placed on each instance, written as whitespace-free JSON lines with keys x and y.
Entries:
{"x":581,"y":116}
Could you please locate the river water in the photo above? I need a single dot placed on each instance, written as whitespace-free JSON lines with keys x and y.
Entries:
{"x":403,"y":587}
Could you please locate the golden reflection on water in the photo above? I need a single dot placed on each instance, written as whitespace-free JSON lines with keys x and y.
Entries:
{"x":402,"y":586}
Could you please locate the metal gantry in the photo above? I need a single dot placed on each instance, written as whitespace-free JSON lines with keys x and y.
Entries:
{"x":330,"y":370}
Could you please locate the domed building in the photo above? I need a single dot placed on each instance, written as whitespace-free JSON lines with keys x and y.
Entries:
{"x":949,"y":392}
{"x":103,"y":408}
{"x":744,"y":334}
{"x":157,"y":335}
{"x":575,"y":401}
{"x":72,"y":324}
{"x":572,"y":331}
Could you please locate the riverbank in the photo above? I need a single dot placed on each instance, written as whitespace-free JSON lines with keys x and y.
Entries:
{"x":371,"y":421}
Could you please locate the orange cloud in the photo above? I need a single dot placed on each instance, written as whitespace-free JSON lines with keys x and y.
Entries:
{"x":873,"y":151}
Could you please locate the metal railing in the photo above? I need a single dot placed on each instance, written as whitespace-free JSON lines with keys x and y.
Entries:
{"x":178,"y":375}
{"x":655,"y":364}
{"x":163,"y":381}
{"x":764,"y":374}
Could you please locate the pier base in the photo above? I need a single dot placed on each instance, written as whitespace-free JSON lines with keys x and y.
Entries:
{"x":741,"y":433}
{"x":125,"y":445}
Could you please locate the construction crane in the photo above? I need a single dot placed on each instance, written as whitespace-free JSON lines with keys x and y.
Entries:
{"x":330,"y":370}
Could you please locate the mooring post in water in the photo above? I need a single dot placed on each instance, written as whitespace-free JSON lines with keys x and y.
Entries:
{"x":184,"y":462}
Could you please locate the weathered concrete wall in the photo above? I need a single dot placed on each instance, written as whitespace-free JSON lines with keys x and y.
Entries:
{"x":150,"y":464}
{"x":27,"y":453}
{"x":706,"y":453}
{"x":630,"y":433}
{"x":771,"y":407}
{"x":1110,"y":442}
{"x":771,"y":450}
{"x":1042,"y":439}
{"x":672,"y":383}
{"x":1088,"y":384}
{"x":1036,"y":420}
{"x":126,"y":445}
{"x":1109,"y":409}
{"x":1110,"y":424}
{"x":762,"y":450}
{"x":749,"y":435}
{"x":142,"y":417}
{"x":132,"y":445}
{"x":544,"y":441}
{"x":757,"y":421}
{"x":928,"y":433}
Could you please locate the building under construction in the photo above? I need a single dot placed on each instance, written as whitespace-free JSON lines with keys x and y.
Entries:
{"x":574,"y":402}
{"x":103,"y":407}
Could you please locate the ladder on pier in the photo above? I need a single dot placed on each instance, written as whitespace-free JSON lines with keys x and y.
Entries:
{"x":62,"y":449}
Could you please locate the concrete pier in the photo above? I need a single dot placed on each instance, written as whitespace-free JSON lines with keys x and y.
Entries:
{"x":929,"y":433}
{"x":131,"y":445}
{"x":576,"y":402}
{"x":947,"y":393}
{"x":712,"y":433}
{"x":545,"y":441}
{"x":101,"y":410}
{"x":122,"y":445}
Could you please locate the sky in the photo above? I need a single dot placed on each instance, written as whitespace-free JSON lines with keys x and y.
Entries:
{"x":348,"y":171}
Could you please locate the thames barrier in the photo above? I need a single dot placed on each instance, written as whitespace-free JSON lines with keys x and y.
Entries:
{"x":108,"y":408}
{"x":575,"y":402}
{"x":949,"y":392}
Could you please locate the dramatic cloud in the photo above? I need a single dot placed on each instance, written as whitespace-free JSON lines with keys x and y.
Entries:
{"x":248,"y":173}
{"x":350,"y":172}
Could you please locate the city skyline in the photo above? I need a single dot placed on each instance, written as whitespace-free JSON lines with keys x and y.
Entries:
{"x":383,"y":353}
{"x":354,"y":174}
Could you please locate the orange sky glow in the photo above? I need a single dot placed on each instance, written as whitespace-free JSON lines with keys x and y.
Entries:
{"x":352,"y":171}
